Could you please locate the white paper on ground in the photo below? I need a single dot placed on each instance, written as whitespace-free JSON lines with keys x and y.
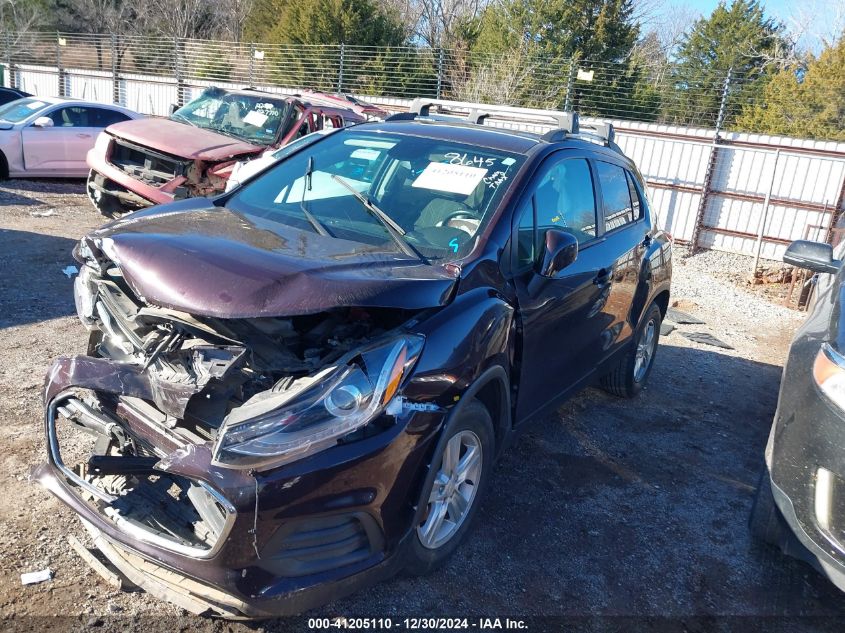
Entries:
{"x":452,"y":178}
{"x":34,"y":577}
{"x":255,"y":118}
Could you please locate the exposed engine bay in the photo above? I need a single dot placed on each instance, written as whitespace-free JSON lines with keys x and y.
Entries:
{"x":203,"y":368}
{"x":160,"y":385}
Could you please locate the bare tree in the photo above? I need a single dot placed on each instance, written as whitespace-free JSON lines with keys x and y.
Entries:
{"x":183,"y":18}
{"x":113,"y":17}
{"x":815,"y":23}
{"x":18,"y":18}
{"x":231,"y":17}
{"x":514,"y":79}
{"x":112,"y":20}
{"x":438,"y":21}
{"x":656,"y":49}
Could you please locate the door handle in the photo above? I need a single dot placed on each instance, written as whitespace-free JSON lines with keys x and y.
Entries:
{"x":603,"y":277}
{"x":83,"y":135}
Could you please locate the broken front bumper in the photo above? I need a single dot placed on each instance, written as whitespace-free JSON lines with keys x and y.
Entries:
{"x":115,"y":182}
{"x":293,"y":538}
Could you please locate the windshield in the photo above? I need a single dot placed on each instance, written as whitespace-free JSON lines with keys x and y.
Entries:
{"x":439,"y":193}
{"x":253,"y":118}
{"x":21,"y":109}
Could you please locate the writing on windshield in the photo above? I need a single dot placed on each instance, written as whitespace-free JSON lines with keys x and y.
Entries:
{"x":429,"y":197}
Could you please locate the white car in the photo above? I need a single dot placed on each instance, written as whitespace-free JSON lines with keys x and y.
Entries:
{"x":50,"y":136}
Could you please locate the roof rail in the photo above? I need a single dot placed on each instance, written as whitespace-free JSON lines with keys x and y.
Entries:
{"x":420,"y":107}
{"x":567,"y":124}
{"x":600,"y":131}
{"x":477,"y":116}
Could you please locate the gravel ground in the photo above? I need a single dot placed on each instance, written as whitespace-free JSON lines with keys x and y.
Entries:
{"x":606,"y":509}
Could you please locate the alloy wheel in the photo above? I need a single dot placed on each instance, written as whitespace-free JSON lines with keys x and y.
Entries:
{"x":453,"y":490}
{"x":645,"y":350}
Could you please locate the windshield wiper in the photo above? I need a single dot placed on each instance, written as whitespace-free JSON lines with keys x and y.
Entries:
{"x":306,"y":186}
{"x":396,"y":232}
{"x":230,"y":134}
{"x":180,"y":117}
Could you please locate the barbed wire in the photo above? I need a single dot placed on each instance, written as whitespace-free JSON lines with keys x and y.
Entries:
{"x":650,"y":90}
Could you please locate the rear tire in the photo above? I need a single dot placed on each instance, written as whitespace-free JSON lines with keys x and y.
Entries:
{"x":469,"y":433}
{"x":4,"y":167}
{"x":631,"y":372}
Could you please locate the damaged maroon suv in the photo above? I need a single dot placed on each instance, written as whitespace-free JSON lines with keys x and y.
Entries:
{"x":194,"y":150}
{"x":300,"y":387}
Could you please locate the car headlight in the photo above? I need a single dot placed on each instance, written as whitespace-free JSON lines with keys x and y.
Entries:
{"x":274,"y":428}
{"x":101,"y":145}
{"x":829,"y":374}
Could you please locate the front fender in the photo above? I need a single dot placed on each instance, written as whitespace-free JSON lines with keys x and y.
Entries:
{"x":463,"y":340}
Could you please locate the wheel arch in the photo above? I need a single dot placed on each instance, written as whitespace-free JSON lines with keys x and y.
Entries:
{"x":662,"y":301}
{"x":492,"y":389}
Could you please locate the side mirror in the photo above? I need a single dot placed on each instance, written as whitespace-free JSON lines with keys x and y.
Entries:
{"x":173,"y":107}
{"x":560,"y":250}
{"x":815,"y":256}
{"x":43,"y":121}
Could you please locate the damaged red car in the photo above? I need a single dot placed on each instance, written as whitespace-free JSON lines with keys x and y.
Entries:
{"x":300,"y":387}
{"x":192,"y":152}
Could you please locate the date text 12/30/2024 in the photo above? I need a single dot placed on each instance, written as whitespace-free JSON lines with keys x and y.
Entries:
{"x":418,"y":624}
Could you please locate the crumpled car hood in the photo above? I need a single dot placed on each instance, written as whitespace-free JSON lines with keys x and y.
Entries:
{"x":181,"y":139}
{"x":211,"y":261}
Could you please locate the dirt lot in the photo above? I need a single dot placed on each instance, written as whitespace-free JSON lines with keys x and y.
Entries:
{"x":605,"y":508}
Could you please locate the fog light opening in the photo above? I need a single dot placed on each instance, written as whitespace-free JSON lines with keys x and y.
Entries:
{"x":823,"y":497}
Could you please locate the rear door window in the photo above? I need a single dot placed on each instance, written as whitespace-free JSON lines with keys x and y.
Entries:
{"x":620,"y":207}
{"x":104,"y":117}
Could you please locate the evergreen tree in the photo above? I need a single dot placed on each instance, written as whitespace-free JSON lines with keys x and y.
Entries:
{"x":354,"y":22}
{"x":736,"y":37}
{"x":803,"y":102}
{"x":598,"y":30}
{"x":597,"y":35}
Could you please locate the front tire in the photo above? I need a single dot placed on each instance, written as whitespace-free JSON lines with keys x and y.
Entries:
{"x":107,"y":205}
{"x":630,"y":374}
{"x":460,"y":469}
{"x":765,"y":522}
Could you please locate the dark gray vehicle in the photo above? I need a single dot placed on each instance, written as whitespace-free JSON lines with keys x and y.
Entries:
{"x":800,"y":503}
